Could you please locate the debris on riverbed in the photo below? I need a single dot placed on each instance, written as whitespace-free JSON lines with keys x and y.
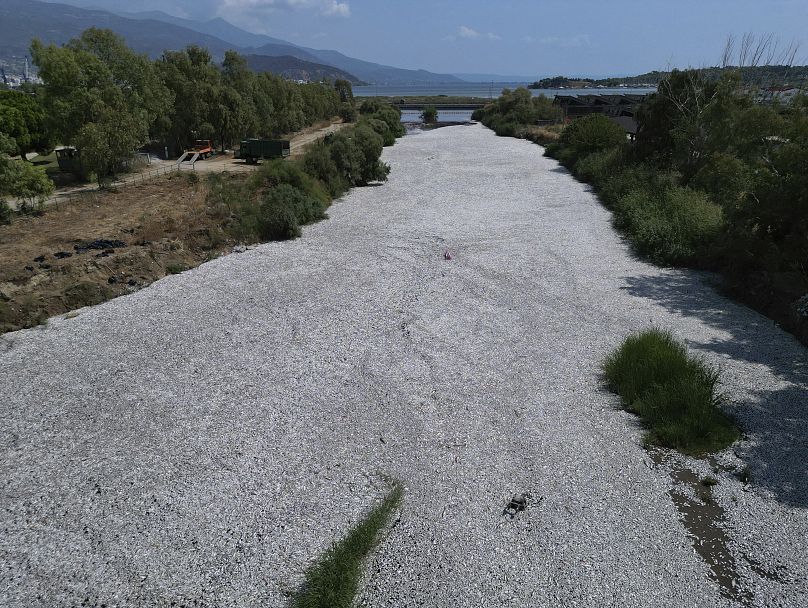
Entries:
{"x":518,"y":503}
{"x":447,"y":255}
{"x":102,"y":244}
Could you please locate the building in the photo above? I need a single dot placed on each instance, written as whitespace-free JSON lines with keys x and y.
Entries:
{"x":619,"y":108}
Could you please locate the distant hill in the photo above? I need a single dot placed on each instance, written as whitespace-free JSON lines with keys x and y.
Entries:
{"x":762,"y":76}
{"x":273,"y":47}
{"x":496,"y":78}
{"x":23,"y":20}
{"x":298,"y":69}
{"x":215,"y":27}
{"x":154,"y":32}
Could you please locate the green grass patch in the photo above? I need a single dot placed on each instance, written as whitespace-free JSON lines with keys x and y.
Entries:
{"x":176,"y":268}
{"x":333,"y":581}
{"x":672,"y":392}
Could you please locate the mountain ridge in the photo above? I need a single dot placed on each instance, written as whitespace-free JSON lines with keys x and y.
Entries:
{"x":54,"y":22}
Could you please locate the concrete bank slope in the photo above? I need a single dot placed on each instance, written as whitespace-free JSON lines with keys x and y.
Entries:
{"x":201,"y":442}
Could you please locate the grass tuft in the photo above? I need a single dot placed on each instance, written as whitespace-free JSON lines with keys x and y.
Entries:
{"x":674,"y":393}
{"x":333,"y":581}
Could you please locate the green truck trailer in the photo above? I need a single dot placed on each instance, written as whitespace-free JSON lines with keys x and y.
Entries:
{"x":251,"y":150}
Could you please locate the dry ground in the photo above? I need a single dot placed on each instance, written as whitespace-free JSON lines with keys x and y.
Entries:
{"x":165,"y":227}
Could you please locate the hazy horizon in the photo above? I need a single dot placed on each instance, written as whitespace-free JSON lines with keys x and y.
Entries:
{"x":528,"y":39}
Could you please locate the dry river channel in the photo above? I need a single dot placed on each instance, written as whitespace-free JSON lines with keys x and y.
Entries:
{"x":203,"y":441}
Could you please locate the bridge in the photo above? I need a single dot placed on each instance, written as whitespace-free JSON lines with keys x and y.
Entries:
{"x":441,"y":107}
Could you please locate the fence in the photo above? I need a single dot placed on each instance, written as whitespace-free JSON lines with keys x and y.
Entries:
{"x":127,"y":180}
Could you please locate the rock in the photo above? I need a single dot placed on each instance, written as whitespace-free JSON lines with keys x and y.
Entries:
{"x":112,"y":280}
{"x":61,"y":255}
{"x":517,"y":504}
{"x":29,"y":268}
{"x":239,"y":249}
{"x":45,"y":266}
{"x":131,"y":282}
{"x":39,"y":259}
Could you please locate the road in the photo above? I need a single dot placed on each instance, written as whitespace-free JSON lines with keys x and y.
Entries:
{"x":204,"y":440}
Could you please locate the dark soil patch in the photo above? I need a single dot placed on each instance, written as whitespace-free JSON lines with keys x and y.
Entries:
{"x":103,"y":245}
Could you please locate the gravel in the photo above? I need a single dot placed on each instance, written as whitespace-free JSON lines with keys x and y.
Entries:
{"x":204,"y":440}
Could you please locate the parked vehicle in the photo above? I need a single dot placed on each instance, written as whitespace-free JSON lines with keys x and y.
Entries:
{"x":203,"y":147}
{"x":252,"y":150}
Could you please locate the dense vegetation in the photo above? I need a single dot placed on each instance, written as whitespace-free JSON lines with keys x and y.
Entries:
{"x":714,"y":180}
{"x":284,"y":195}
{"x":107,"y":101}
{"x":761,"y":76}
{"x":673,"y":393}
{"x":515,"y":111}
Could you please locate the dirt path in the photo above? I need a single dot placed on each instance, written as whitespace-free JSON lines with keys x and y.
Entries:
{"x":203,"y":440}
{"x":218,"y":163}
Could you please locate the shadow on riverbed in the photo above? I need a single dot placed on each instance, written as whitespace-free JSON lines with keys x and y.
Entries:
{"x":777,"y":420}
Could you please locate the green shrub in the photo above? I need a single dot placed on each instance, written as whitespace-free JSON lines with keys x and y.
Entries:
{"x":6,"y":213}
{"x":318,"y":163}
{"x":599,"y":167}
{"x":392,"y":116}
{"x":380,"y":127}
{"x":593,"y":133}
{"x":725,"y":178}
{"x":277,"y":172}
{"x":277,"y":222}
{"x":176,"y":268}
{"x":370,"y":144}
{"x":284,"y":209}
{"x":671,"y":227}
{"x":636,"y":177}
{"x":347,"y":112}
{"x":674,"y":393}
{"x":429,"y":115}
{"x":371,"y":106}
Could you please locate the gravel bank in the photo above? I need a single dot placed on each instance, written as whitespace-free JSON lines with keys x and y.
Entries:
{"x":203,"y":440}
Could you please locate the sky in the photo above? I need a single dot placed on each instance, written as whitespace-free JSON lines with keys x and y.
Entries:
{"x":532,"y":38}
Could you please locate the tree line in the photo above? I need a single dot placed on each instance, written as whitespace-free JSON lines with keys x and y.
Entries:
{"x":108,"y":101}
{"x":713,"y":180}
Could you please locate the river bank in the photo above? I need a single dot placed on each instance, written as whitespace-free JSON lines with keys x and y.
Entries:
{"x":206,"y":439}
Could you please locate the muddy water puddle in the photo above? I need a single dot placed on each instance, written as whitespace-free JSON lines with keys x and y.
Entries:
{"x":704,"y":519}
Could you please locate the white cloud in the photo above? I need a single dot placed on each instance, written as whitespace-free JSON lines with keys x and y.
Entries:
{"x":567,"y":42}
{"x":328,"y":8}
{"x":471,"y":34}
{"x":337,"y":9}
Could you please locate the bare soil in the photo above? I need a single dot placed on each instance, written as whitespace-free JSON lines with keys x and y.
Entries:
{"x":164,"y":226}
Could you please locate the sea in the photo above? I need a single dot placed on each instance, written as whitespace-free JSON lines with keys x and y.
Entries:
{"x":486,"y":90}
{"x":489,"y":90}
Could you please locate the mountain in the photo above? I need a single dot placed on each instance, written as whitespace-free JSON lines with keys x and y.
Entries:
{"x":266,"y":45}
{"x":298,"y":69}
{"x":494,"y":78}
{"x":155,"y":31}
{"x":214,"y":27}
{"x":380,"y":74}
{"x":23,"y":20}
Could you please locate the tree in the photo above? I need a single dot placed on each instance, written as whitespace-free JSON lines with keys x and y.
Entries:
{"x":196,"y":86}
{"x":101,"y":97}
{"x":23,"y":118}
{"x":21,"y":180}
{"x":344,"y":90}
